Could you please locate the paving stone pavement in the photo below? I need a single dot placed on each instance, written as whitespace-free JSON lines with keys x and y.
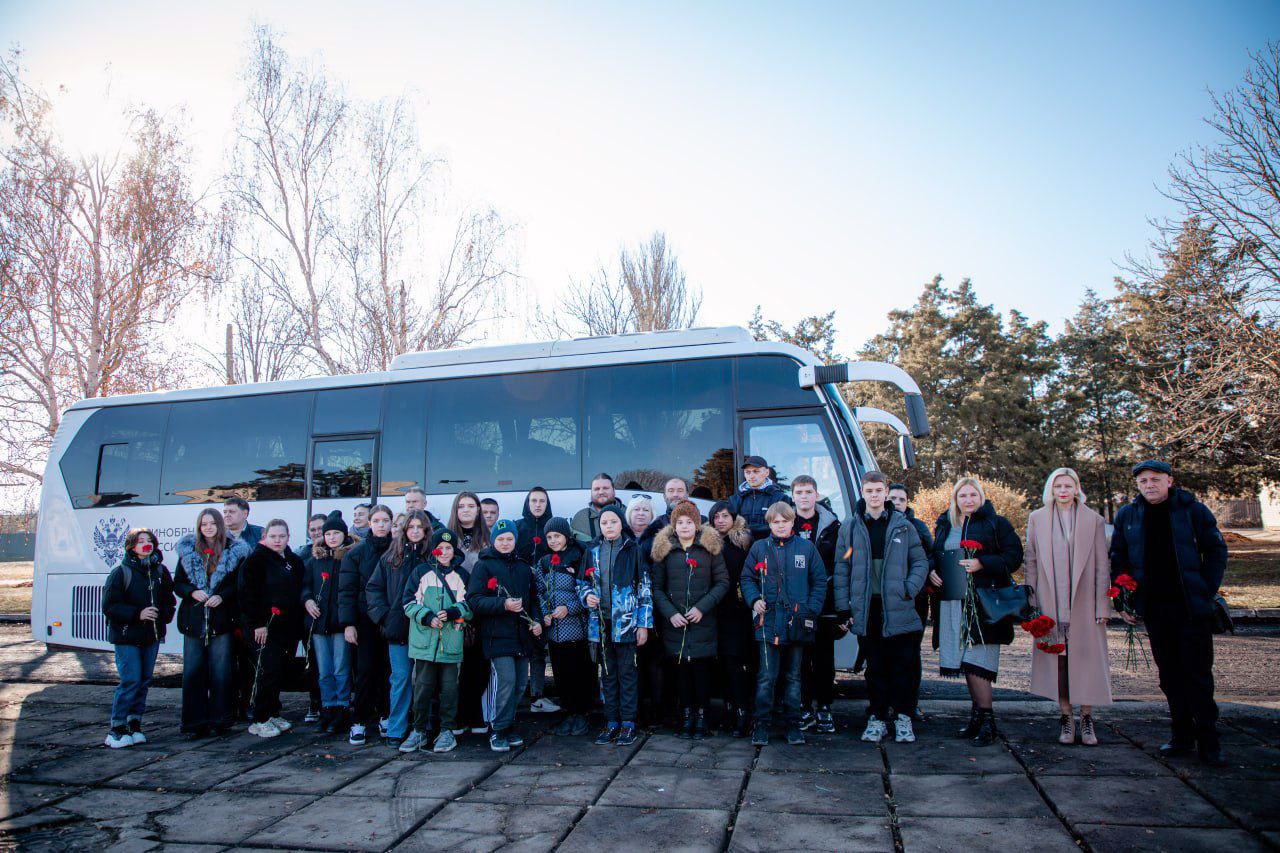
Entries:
{"x":61,"y":789}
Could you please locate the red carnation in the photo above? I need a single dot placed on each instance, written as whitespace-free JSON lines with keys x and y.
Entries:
{"x":1126,"y":582}
{"x":436,"y":552}
{"x":537,"y":540}
{"x":275,"y":611}
{"x":1113,"y":592}
{"x":324,"y":576}
{"x":806,"y":527}
{"x":555,"y":559}
{"x":761,"y":567}
{"x":208,"y":550}
{"x":493,"y":584}
{"x":693,"y":564}
{"x":971,"y":544}
{"x":591,"y":572}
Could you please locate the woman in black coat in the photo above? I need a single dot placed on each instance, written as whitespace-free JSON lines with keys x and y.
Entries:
{"x":734,"y":626}
{"x":325,"y":628}
{"x":208,"y":571}
{"x":372,"y":670}
{"x":689,"y":580}
{"x":965,"y":647}
{"x":269,"y":588}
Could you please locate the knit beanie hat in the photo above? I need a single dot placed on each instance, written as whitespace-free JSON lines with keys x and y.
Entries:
{"x":559,"y":525}
{"x":335,"y":522}
{"x":686,"y":509}
{"x":444,"y":534}
{"x":504,"y":526}
{"x":616,"y":510}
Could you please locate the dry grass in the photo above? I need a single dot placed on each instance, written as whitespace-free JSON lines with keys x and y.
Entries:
{"x":1253,"y":571}
{"x":15,"y":587}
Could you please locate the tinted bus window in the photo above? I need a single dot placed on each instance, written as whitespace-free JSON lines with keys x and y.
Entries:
{"x":114,"y":460}
{"x":771,"y":381}
{"x":504,"y":432}
{"x":348,"y":410}
{"x":342,"y":468}
{"x":404,"y":438}
{"x":647,"y":423}
{"x":255,"y":447}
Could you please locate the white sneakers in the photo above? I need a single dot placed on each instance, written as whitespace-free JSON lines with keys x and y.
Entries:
{"x":119,"y":738}
{"x":266,"y":729}
{"x":902,"y":730}
{"x":281,"y":723}
{"x":875,"y":730}
{"x":544,"y":706}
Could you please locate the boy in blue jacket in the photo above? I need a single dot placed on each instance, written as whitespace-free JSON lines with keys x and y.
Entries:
{"x":785,"y":582}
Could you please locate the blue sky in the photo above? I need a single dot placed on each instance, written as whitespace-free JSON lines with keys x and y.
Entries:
{"x":803,"y":157}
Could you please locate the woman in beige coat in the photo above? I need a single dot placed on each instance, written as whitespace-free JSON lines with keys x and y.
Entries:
{"x":1068,"y":568}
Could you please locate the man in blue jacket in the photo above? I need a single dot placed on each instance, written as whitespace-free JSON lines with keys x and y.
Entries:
{"x":755,"y":495}
{"x":1169,"y":543}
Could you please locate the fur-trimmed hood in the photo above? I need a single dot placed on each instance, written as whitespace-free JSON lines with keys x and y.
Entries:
{"x":666,"y":541}
{"x":321,"y":551}
{"x":232,"y":555}
{"x":739,"y":534}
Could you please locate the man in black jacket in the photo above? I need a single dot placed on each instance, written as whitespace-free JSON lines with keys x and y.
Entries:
{"x":755,"y":495}
{"x":1169,"y":543}
{"x":900,"y":498}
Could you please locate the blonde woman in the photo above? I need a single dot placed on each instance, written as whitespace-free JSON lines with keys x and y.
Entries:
{"x":1068,"y":568}
{"x":991,"y":564}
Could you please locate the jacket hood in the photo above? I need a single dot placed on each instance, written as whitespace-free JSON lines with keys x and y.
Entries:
{"x":492,"y":553}
{"x":571,"y":554}
{"x":321,"y":551}
{"x":984,"y":511}
{"x":537,"y":521}
{"x":767,"y":486}
{"x":667,"y":541}
{"x":826,"y":518}
{"x":739,"y":534}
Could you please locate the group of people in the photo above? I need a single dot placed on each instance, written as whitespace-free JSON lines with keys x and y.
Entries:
{"x":431,"y":630}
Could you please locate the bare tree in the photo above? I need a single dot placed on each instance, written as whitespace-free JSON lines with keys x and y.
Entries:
{"x":647,"y":293}
{"x":96,"y":254}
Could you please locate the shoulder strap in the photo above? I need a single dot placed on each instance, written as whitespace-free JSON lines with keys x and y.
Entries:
{"x":126,"y":574}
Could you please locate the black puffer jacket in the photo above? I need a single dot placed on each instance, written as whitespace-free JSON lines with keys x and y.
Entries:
{"x":192,"y":576}
{"x":686,"y":579}
{"x":502,"y":633}
{"x":752,"y":504}
{"x":268,"y":580}
{"x":1000,"y":556}
{"x":323,"y":590}
{"x":530,"y":541}
{"x":823,"y":530}
{"x":734,"y":622}
{"x":385,"y":592}
{"x":149,"y":585}
{"x":353,"y":577}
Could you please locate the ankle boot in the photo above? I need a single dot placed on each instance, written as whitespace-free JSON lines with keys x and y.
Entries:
{"x":700,"y":724}
{"x":686,"y":727}
{"x":975,"y":718}
{"x":986,"y":728}
{"x":744,"y":724}
{"x":729,"y":721}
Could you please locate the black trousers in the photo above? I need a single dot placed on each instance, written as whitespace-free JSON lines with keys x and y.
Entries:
{"x":373,"y":675}
{"x":1183,"y":650}
{"x":268,"y":674}
{"x":244,"y":655}
{"x":693,"y":682}
{"x":473,"y":681}
{"x":893,"y":665}
{"x":818,"y":669}
{"x":739,"y":679}
{"x":655,"y":680}
{"x":574,"y":674}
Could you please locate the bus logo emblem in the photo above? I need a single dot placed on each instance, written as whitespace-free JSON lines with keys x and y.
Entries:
{"x":108,"y":539}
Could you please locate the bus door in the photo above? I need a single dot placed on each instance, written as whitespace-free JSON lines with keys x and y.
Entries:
{"x":340,"y":474}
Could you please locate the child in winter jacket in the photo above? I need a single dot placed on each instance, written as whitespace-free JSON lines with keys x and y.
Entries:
{"x":615,"y":588}
{"x":502,"y":595}
{"x":565,"y":618}
{"x":138,"y":602}
{"x":785,"y":583}
{"x":436,"y":604}
{"x":320,"y":600}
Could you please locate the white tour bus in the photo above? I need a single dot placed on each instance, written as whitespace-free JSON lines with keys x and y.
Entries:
{"x":492,"y":420}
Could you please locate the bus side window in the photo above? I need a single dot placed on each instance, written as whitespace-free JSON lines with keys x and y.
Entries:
{"x":114,"y":459}
{"x":798,"y":445}
{"x":404,"y":439}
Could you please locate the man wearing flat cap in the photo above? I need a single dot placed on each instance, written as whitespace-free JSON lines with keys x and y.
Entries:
{"x":1169,"y":543}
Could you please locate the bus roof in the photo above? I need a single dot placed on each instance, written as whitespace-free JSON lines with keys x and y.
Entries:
{"x":510,"y":358}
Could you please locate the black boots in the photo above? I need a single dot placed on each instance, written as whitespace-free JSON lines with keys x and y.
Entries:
{"x":686,"y":727}
{"x":986,"y":734}
{"x":744,"y":724}
{"x":975,"y":718}
{"x":700,"y":724}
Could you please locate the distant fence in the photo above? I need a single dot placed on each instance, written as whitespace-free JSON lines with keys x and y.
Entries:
{"x":17,"y":547}
{"x":1241,"y":512}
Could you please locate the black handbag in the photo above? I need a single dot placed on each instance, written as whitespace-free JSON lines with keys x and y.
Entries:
{"x":1222,"y":622}
{"x":1001,"y":604}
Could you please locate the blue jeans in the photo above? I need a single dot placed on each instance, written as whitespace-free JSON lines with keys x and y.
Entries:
{"x":401,"y":690}
{"x":333,"y":660}
{"x":207,"y":685}
{"x":511,"y":674}
{"x":778,"y":661}
{"x":135,"y":665}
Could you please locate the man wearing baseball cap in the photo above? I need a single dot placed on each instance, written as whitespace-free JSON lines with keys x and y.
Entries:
{"x":755,"y":495}
{"x":1169,"y":543}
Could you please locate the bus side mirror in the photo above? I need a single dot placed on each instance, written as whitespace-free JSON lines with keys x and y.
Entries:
{"x":906,"y":452}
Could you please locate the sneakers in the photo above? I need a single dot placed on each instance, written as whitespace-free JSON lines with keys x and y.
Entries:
{"x":393,"y":742}
{"x":626,"y":736}
{"x":580,"y":726}
{"x":264,"y":730}
{"x":135,"y":731}
{"x":415,"y":740}
{"x":808,"y":721}
{"x":356,"y":736}
{"x":281,"y":723}
{"x":875,"y":730}
{"x":313,"y":716}
{"x":760,"y":735}
{"x":498,"y":743}
{"x":902,"y":730}
{"x":1088,"y":735}
{"x":543,"y":705}
{"x":445,"y":742}
{"x":607,"y":735}
{"x":119,"y":737}
{"x":826,"y":722}
{"x":795,"y":737}
{"x":382,"y":727}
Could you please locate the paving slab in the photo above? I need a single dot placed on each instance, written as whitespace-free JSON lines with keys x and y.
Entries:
{"x":227,"y":817}
{"x":762,"y":832}
{"x":708,"y":754}
{"x":1115,"y":759}
{"x":86,"y":766}
{"x":553,"y":750}
{"x":949,"y":756}
{"x":17,"y":798}
{"x":1160,"y":801}
{"x":649,"y":786}
{"x":307,"y":774}
{"x":1044,"y":835}
{"x":337,"y":823}
{"x":537,"y":785}
{"x":104,"y":803}
{"x":798,"y":792}
{"x":623,"y":828}
{"x":834,"y":755}
{"x":965,"y":795}
{"x":59,"y":839}
{"x":33,"y":729}
{"x":441,"y":780}
{"x":1106,"y":838}
{"x":1266,"y":729}
{"x":1255,"y":804}
{"x":191,"y":771}
{"x":485,"y":827}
